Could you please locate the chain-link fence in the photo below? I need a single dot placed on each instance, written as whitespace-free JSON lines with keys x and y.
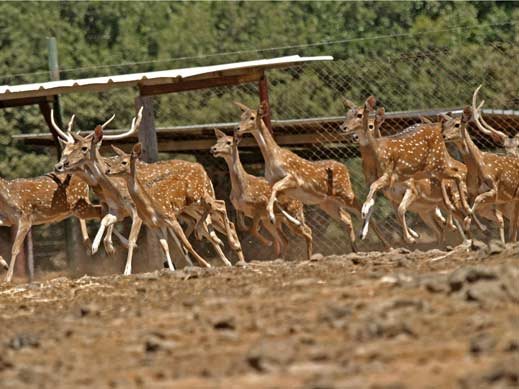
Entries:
{"x":307,"y":109}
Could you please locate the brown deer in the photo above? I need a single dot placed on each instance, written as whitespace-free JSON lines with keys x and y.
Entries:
{"x":419,"y":153}
{"x":159,"y":205}
{"x":322,"y":183}
{"x":419,"y":196}
{"x":491,"y":178}
{"x":42,"y":200}
{"x":197,"y":206}
{"x":510,"y":144}
{"x":250,"y":194}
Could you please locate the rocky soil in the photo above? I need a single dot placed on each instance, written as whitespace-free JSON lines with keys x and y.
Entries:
{"x":396,"y":319}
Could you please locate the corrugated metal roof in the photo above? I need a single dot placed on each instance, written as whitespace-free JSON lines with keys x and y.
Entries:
{"x":8,"y":92}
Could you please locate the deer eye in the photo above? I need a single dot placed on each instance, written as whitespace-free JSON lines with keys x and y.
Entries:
{"x":359,"y":115}
{"x":457,"y":125}
{"x":251,"y":118}
{"x":370,"y":126}
{"x":84,"y":149}
{"x":228,"y":143}
{"x":124,"y":162}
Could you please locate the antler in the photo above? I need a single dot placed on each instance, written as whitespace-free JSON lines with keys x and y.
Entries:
{"x":136,"y":122}
{"x":66,"y":136}
{"x":482,"y":125}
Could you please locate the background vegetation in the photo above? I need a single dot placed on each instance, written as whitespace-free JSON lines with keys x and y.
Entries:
{"x":93,"y":37}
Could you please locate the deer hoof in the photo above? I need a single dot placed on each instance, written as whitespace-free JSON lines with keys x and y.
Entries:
{"x":413,"y":233}
{"x":3,"y":263}
{"x":365,"y":229}
{"x":110,"y":249}
{"x":366,"y":207}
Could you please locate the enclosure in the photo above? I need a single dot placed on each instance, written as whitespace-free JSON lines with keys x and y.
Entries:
{"x":307,"y":109}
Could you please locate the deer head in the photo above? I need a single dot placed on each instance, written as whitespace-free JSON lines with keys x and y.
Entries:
{"x":119,"y":164}
{"x":451,"y":126}
{"x":223,"y":146}
{"x":77,"y":149}
{"x":248,"y":119}
{"x":355,"y":114}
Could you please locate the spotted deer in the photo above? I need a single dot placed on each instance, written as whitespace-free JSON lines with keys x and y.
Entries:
{"x":47,"y":199}
{"x":250,"y":194}
{"x":322,"y":183}
{"x":159,"y":205}
{"x":419,"y":153}
{"x":510,"y":144}
{"x":419,"y":196}
{"x":491,"y":178}
{"x":192,"y":200}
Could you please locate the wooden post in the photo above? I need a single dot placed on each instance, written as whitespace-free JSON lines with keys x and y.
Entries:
{"x":264,"y":98}
{"x":147,"y":132}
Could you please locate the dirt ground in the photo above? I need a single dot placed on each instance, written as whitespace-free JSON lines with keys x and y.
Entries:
{"x":396,"y":319}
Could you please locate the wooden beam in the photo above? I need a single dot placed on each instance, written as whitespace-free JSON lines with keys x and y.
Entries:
{"x":23,"y":101}
{"x":264,"y":99}
{"x":182,"y":86}
{"x":147,"y":132}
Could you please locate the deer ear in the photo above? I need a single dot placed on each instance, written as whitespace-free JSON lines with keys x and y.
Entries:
{"x":76,"y":136}
{"x":348,"y":103}
{"x":263,"y":108}
{"x":98,"y":134}
{"x":467,"y":114}
{"x":62,"y":143}
{"x":137,"y":150}
{"x":243,"y":107}
{"x":425,"y":120}
{"x":118,"y":151}
{"x":219,"y":134}
{"x":370,"y":102}
{"x":380,"y":116}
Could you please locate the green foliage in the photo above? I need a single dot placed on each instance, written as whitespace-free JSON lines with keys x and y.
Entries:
{"x":406,"y":71}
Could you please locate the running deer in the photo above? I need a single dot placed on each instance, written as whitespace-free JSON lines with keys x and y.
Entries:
{"x":79,"y":157}
{"x":491,"y":178}
{"x":42,"y":200}
{"x":322,"y":183}
{"x":510,"y":144}
{"x":418,"y":153}
{"x":159,"y":205}
{"x":250,"y":194}
{"x":193,"y":200}
{"x":419,"y":196}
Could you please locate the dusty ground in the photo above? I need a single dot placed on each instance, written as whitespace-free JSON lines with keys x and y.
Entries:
{"x":378,"y":320}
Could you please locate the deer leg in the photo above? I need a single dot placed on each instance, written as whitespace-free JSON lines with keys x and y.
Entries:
{"x":279,"y":244}
{"x":240,"y":221}
{"x":163,"y":239}
{"x":215,"y":241}
{"x":121,"y":238}
{"x":177,"y":230}
{"x":180,"y":247}
{"x":395,"y":205}
{"x":431,"y":221}
{"x":107,"y":241}
{"x":306,"y":232}
{"x":21,"y":232}
{"x":335,"y":210}
{"x":407,"y":200}
{"x":254,"y":231}
{"x":380,"y":183}
{"x":514,"y":224}
{"x":230,"y":231}
{"x":500,"y":224}
{"x":107,"y":220}
{"x":84,"y":234}
{"x":446,"y":200}
{"x":132,"y":240}
{"x":288,"y":182}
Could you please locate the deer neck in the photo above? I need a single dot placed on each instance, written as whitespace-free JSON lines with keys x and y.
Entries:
{"x":139,"y":195}
{"x":367,"y":153}
{"x":236,"y":170}
{"x":471,"y":153}
{"x":266,"y":142}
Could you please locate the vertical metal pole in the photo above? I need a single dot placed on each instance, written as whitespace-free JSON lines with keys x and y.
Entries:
{"x":264,"y":98}
{"x":71,"y":228}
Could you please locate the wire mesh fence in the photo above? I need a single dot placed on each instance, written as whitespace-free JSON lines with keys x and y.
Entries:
{"x":307,"y":110}
{"x":307,"y":100}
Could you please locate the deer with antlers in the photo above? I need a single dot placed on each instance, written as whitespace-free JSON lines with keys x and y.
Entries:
{"x":419,"y":196}
{"x":191,"y":200}
{"x":250,"y":194}
{"x":491,"y":178}
{"x":322,"y":183}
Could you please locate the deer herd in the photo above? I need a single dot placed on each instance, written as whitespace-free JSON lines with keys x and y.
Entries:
{"x":175,"y":198}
